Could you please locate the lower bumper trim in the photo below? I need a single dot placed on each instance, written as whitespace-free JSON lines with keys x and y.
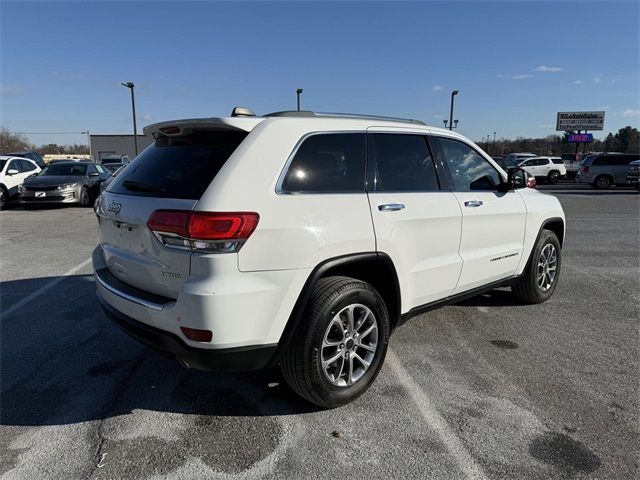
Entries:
{"x":238,"y":359}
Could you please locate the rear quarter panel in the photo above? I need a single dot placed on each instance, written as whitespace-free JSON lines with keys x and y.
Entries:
{"x":295,"y":230}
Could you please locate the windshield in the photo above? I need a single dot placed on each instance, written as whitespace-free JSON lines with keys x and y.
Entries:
{"x":2,"y":164}
{"x":65,"y":170}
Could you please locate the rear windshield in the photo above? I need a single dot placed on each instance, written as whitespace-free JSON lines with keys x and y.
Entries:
{"x":178,"y":167}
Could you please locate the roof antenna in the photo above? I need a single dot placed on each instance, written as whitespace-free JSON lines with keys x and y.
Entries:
{"x":242,"y":112}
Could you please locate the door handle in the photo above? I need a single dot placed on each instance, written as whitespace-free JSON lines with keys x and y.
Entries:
{"x":390,"y":207}
{"x":473,"y":203}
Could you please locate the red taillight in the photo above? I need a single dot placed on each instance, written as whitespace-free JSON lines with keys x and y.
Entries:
{"x":197,"y":335}
{"x":169,"y":221}
{"x":170,"y":130}
{"x":585,"y":169}
{"x":222,"y":226}
{"x":206,"y":231}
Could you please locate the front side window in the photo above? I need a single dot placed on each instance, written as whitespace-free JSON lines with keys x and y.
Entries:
{"x":327,"y":163}
{"x":469,"y":170}
{"x":403,"y":163}
{"x":529,"y":163}
{"x":13,"y":165}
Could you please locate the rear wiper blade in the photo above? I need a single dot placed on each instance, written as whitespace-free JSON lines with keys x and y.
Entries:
{"x":134,"y":186}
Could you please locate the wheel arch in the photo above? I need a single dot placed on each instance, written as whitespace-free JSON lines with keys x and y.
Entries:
{"x":374,"y":268}
{"x":556,"y":225}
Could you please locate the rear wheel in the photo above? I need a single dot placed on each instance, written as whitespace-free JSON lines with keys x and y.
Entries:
{"x":553,"y":177}
{"x":602,"y":182}
{"x":85,"y":197}
{"x":338,"y":351}
{"x":540,"y":278}
{"x":4,"y":197}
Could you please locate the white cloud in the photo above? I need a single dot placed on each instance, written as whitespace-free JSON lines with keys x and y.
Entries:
{"x":597,"y":80}
{"x":578,"y":82}
{"x":147,"y":117}
{"x":520,"y":77}
{"x":546,"y":125}
{"x":502,"y":76}
{"x":603,"y":108}
{"x":436,"y":88}
{"x":438,"y":116}
{"x":630,"y":112}
{"x":10,"y":90}
{"x":544,"y":68}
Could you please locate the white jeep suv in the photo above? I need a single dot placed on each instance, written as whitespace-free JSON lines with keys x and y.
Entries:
{"x":304,"y":239}
{"x":550,"y":169}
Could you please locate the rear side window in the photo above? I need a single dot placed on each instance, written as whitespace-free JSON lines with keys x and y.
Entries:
{"x":178,"y":167}
{"x":603,"y":161}
{"x":403,"y":163}
{"x":327,"y":163}
{"x":557,"y":161}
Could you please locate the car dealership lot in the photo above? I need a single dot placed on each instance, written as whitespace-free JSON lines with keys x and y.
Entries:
{"x":485,"y":389}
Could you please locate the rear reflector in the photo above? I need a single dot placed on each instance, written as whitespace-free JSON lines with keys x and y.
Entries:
{"x":197,"y":335}
{"x":585,"y":169}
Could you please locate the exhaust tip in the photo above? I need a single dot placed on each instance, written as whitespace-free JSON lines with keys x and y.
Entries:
{"x":183,"y":362}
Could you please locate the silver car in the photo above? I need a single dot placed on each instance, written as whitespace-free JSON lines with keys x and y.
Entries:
{"x":602,"y":170}
{"x":64,"y":182}
{"x":633,"y":174}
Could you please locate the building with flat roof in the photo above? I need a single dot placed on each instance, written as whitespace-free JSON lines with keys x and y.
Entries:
{"x":116,"y":144}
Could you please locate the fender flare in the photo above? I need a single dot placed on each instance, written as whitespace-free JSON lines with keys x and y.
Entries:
{"x":296,"y":316}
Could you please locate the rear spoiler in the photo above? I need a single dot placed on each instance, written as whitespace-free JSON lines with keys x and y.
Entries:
{"x":184,"y":127}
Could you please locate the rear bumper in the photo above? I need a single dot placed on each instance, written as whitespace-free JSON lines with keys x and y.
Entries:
{"x":236,"y":359}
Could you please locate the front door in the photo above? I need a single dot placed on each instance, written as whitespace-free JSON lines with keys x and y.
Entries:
{"x":493,"y":222}
{"x":416,"y":223}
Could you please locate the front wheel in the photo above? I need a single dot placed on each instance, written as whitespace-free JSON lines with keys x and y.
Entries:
{"x":85,"y":197}
{"x":540,"y":277}
{"x":4,"y":198}
{"x":553,"y":178}
{"x":340,"y":347}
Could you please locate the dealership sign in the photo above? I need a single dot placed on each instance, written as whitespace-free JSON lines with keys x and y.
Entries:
{"x":580,"y":138}
{"x":570,"y":121}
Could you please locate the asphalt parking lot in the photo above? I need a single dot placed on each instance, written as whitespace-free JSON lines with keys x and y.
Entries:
{"x":487,"y":388}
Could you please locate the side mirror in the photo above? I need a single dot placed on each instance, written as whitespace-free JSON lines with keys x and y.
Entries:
{"x":12,"y":171}
{"x":516,"y":178}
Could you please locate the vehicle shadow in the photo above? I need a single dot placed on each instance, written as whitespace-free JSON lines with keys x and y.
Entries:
{"x":593,"y":192}
{"x":64,"y":362}
{"x":493,"y":298}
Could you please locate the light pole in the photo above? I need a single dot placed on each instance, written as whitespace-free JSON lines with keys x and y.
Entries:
{"x":89,"y":144}
{"x":453,"y":94}
{"x":130,"y":86}
{"x":445,"y":123}
{"x":298,"y":92}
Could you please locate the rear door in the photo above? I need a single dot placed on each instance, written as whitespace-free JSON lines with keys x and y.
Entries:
{"x":172,"y":173}
{"x":493,"y":222}
{"x":416,"y":223}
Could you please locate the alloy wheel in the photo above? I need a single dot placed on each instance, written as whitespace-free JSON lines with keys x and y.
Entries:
{"x":349,"y":345}
{"x":547,"y":267}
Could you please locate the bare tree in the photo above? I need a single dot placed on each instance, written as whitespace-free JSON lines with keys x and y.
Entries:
{"x":12,"y":142}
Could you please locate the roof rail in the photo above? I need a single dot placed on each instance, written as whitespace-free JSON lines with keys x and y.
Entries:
{"x":307,"y":113}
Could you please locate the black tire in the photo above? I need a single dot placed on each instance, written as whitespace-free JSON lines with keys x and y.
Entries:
{"x":4,"y":198}
{"x":553,"y":177}
{"x":302,"y":361}
{"x":526,"y":287}
{"x":85,"y":197}
{"x":602,"y":182}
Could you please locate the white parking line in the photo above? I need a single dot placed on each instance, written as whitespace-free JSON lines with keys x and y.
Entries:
{"x":436,"y":421}
{"x":44,"y":288}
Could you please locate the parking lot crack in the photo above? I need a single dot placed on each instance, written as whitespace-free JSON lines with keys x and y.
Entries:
{"x":99,"y":456}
